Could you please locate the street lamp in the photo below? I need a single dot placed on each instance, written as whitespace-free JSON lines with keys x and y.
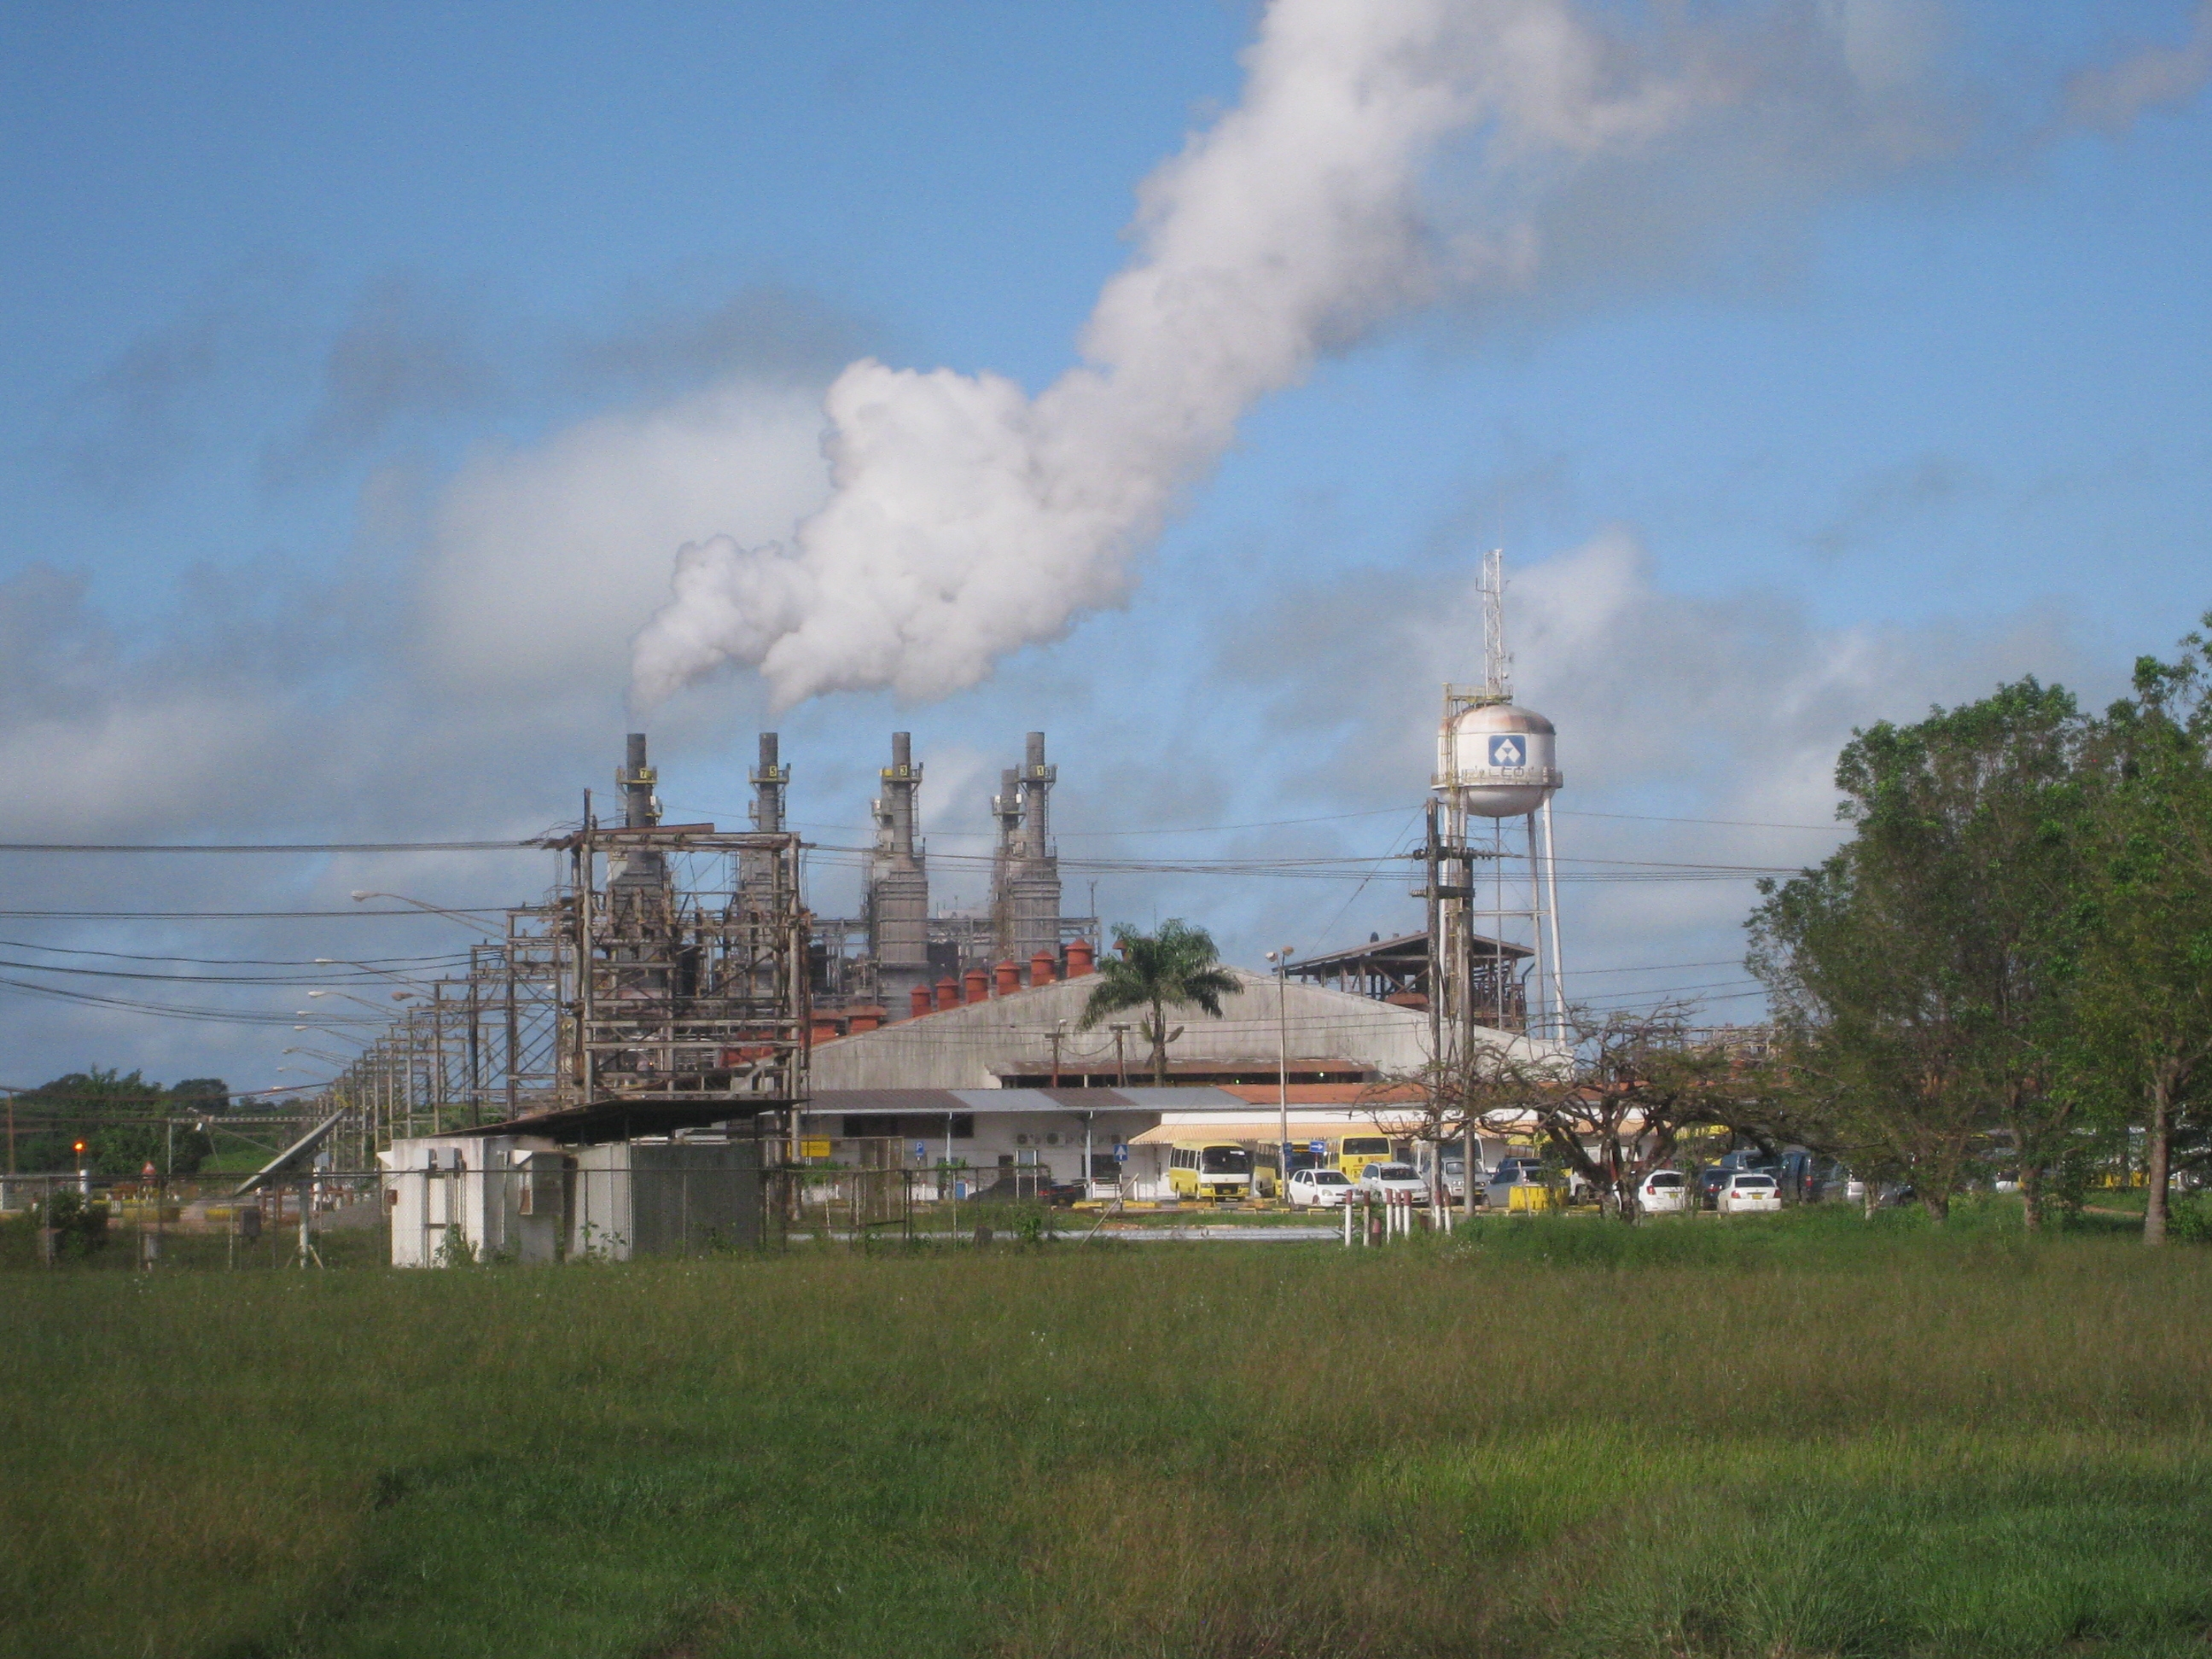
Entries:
{"x":1282,"y":960}
{"x":481,"y":926}
{"x":397,"y":996}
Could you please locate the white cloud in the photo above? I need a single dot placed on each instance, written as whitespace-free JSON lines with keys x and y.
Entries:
{"x":2114,"y":96}
{"x":541,"y":562}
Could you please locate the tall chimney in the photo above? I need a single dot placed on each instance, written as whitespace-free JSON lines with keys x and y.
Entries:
{"x":898,"y":888}
{"x":636,"y":779}
{"x":759,"y":869}
{"x":1033,"y":867}
{"x":1005,"y":857}
{"x":768,"y":781}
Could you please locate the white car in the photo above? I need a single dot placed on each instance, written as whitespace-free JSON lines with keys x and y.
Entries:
{"x":1319,"y":1189}
{"x":1743,"y":1194}
{"x":1399,"y":1182}
{"x":1664,"y":1192}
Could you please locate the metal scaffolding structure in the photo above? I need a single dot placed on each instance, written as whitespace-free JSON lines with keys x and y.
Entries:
{"x":662,"y":983}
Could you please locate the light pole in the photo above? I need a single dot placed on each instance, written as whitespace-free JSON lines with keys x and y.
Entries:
{"x":466,"y":919}
{"x":1282,"y":960}
{"x":397,"y":996}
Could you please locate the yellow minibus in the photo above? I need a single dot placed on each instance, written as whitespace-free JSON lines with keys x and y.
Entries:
{"x":1209,"y":1170}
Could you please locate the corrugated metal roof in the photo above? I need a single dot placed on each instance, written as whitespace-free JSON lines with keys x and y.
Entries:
{"x":999,"y":1102}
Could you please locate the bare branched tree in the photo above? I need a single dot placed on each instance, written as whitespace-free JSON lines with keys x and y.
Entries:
{"x":1613,"y":1104}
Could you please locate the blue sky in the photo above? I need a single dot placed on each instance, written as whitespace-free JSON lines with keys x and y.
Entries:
{"x":367,"y":366}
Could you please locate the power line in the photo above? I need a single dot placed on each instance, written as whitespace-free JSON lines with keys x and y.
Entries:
{"x":240,"y":915}
{"x":1731,"y":823}
{"x":274,"y":847}
{"x":443,"y":958}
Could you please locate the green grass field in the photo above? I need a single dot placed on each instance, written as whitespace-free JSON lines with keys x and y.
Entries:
{"x":1803,"y":1435}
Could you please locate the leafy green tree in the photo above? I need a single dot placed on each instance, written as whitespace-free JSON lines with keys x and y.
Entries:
{"x":1177,"y":967}
{"x":122,"y":1118}
{"x":1921,"y":972}
{"x":2145,"y":999}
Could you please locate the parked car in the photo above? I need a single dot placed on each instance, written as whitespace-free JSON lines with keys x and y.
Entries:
{"x":1512,"y":1175}
{"x":1456,"y":1178}
{"x":1400,"y":1182}
{"x":1319,"y":1189}
{"x":1747,"y":1191}
{"x":1710,"y":1182}
{"x":1663,"y":1192}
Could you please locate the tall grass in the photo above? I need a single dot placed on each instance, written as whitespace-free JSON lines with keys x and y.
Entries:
{"x":1795,"y":1436}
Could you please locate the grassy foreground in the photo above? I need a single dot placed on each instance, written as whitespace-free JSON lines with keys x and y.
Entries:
{"x":1798,"y":1437}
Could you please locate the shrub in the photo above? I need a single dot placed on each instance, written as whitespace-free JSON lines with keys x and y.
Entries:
{"x":2190,"y":1219}
{"x":79,"y":1224}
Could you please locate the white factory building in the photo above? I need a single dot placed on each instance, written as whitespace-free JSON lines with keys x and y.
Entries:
{"x":1013,"y":1080}
{"x":1030,"y":1038}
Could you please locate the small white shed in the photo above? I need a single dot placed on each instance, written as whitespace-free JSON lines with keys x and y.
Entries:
{"x":459,"y":1198}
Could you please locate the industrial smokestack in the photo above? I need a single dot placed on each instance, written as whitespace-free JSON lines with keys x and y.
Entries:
{"x":898,"y":885}
{"x":1032,"y":880}
{"x":769,"y":780}
{"x":1038,"y":780}
{"x":636,"y":779}
{"x":899,"y":781}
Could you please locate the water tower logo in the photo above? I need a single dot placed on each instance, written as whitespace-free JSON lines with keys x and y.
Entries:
{"x":1507,"y":752}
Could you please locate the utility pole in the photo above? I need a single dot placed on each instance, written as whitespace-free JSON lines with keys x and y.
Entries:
{"x":1282,"y":960}
{"x":1120,"y":1059}
{"x":1059,"y":1031}
{"x":1430,"y":855}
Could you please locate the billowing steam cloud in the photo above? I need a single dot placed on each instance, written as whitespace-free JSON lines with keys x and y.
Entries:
{"x":967,"y":520}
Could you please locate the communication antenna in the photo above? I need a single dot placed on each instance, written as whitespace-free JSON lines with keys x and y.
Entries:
{"x":1497,"y":660}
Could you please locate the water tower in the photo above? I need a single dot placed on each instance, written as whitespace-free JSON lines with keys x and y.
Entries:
{"x":1493,"y":889}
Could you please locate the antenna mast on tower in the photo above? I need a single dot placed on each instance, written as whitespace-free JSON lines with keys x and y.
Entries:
{"x":1497,"y":661}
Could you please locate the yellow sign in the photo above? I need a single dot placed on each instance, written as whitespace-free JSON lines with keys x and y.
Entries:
{"x":814,"y":1149}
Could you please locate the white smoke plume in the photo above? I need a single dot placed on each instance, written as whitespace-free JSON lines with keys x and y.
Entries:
{"x":967,"y":520}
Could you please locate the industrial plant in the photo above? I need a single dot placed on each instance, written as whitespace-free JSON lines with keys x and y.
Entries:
{"x":628,"y":1064}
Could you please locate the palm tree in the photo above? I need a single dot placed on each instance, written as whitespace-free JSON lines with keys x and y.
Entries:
{"x":1177,"y":965}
